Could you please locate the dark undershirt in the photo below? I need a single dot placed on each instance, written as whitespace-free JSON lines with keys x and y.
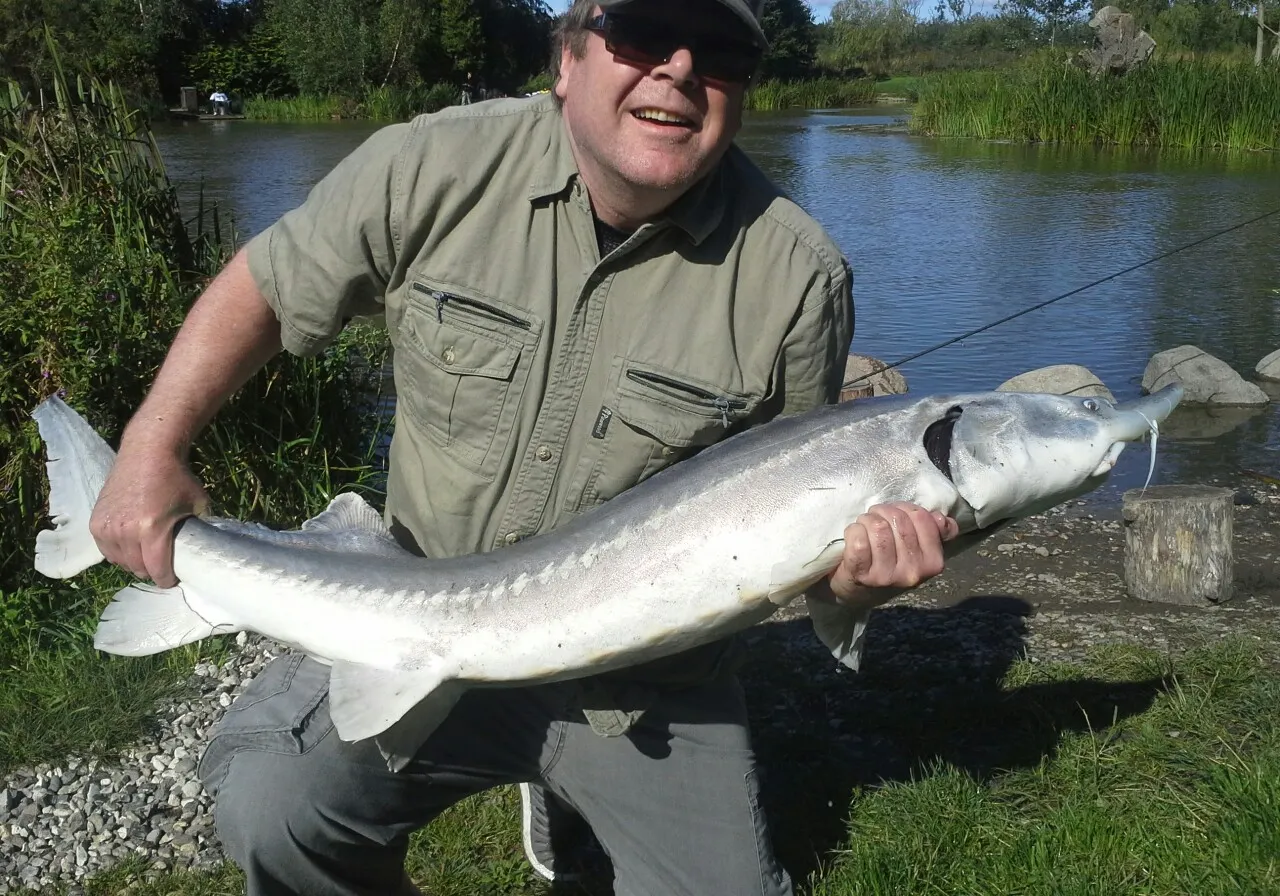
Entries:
{"x":609,"y":238}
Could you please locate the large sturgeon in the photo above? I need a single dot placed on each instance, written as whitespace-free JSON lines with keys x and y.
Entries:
{"x":708,"y":547}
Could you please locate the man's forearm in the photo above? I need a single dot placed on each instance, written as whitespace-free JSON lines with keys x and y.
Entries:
{"x":228,"y":335}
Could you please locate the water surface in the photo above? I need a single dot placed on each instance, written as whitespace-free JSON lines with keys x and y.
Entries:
{"x":948,"y":235}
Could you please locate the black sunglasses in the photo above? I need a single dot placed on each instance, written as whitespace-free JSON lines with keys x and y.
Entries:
{"x":649,"y":42}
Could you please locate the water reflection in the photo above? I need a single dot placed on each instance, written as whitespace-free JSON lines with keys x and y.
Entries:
{"x":948,"y":235}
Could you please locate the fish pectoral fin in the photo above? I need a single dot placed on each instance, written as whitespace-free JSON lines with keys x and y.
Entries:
{"x":365,"y":701}
{"x":142,"y":620}
{"x":842,"y":629}
{"x":789,"y":579}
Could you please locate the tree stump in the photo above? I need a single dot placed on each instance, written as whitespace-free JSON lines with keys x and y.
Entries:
{"x":1177,"y":546}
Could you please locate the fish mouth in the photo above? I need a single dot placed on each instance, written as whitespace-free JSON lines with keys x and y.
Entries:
{"x":1135,"y":419}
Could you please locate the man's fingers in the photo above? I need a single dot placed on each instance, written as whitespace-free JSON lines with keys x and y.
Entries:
{"x":157,"y":550}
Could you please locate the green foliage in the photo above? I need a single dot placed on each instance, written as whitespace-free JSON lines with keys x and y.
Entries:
{"x":867,"y":34}
{"x":378,"y":104}
{"x":254,"y":66}
{"x":96,"y":273}
{"x":1191,"y":104}
{"x":819,"y":93}
{"x":329,"y":46}
{"x":793,"y":40}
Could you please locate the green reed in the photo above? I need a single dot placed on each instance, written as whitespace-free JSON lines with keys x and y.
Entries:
{"x":819,"y":93}
{"x":1194,"y":104}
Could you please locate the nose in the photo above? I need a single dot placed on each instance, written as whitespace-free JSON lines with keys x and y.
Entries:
{"x":679,"y":68}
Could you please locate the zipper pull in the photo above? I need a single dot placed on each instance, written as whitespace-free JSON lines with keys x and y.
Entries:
{"x":440,"y":300}
{"x":722,"y":405}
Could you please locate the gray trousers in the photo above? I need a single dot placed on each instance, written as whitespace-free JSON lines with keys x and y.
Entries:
{"x":674,"y":802}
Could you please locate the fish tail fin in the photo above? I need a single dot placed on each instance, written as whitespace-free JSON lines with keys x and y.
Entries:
{"x":78,"y":463}
{"x":142,"y":620}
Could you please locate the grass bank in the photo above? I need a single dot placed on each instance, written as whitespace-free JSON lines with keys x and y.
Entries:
{"x":98,"y":271}
{"x":1191,"y":104}
{"x":1179,"y":793}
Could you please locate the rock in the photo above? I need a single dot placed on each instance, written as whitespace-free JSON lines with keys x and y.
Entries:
{"x":1119,"y":45}
{"x":1058,"y":379}
{"x":1206,"y":421}
{"x":1207,"y":380}
{"x":1269,"y":367}
{"x":873,"y":376}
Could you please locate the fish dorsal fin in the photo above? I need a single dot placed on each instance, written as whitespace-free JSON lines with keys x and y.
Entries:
{"x":346,"y":513}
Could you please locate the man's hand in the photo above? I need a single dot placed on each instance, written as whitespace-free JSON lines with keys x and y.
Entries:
{"x":145,"y":496}
{"x":890,"y":548}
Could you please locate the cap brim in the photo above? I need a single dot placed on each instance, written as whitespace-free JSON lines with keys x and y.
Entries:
{"x":738,"y":7}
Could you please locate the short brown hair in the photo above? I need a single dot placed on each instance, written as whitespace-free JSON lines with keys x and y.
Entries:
{"x":571,"y":30}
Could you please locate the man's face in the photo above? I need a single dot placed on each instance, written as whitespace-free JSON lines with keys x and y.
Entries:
{"x":653,"y":128}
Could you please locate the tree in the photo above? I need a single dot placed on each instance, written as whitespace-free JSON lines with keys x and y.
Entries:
{"x":793,"y":41}
{"x":1054,"y":13}
{"x":867,"y":34}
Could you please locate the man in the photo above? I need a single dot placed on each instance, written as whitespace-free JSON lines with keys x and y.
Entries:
{"x":581,"y":290}
{"x":220,"y":102}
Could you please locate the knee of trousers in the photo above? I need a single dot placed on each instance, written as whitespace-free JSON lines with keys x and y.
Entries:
{"x":265,"y":812}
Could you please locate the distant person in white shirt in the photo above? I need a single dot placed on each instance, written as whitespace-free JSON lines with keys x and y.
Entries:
{"x":220,"y":102}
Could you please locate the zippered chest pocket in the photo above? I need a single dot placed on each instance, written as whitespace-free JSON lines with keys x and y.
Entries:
{"x":461,"y":366}
{"x":652,"y":418}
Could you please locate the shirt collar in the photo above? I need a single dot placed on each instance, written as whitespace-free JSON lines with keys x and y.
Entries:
{"x":698,"y":212}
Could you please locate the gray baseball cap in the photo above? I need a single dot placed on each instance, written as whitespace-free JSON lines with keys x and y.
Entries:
{"x":747,"y":10}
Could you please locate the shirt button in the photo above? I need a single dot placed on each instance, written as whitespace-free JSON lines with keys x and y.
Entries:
{"x":512,"y":537}
{"x":448,"y":355}
{"x":668,"y":451}
{"x":544,"y":453}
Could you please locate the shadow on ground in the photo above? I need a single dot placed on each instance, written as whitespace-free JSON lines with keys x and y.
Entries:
{"x":929,"y":692}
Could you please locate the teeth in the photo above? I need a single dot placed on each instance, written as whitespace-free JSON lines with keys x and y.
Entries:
{"x":659,"y":115}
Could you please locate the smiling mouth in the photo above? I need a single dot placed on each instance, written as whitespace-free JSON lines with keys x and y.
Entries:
{"x":658,"y":116}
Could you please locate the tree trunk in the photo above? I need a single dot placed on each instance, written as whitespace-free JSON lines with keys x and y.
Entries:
{"x":1178,"y":544}
{"x":1262,"y":36}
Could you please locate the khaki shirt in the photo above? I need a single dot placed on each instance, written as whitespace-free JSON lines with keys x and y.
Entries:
{"x":536,"y":380}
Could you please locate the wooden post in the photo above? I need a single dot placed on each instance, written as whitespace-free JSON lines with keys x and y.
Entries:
{"x":1177,"y":545}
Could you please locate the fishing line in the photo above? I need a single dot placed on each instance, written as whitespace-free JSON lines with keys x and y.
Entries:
{"x":1066,"y":295}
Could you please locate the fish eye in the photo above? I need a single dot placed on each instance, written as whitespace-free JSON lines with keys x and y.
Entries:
{"x":1090,"y":404}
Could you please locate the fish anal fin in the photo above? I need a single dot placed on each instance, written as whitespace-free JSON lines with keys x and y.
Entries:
{"x":365,"y":701}
{"x":841,"y":629}
{"x":142,"y":620}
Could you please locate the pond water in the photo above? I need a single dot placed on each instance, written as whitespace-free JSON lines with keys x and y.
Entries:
{"x":946,"y":236}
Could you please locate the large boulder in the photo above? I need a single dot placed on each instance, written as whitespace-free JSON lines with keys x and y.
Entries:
{"x":1119,"y":45}
{"x":1059,"y":379}
{"x":1206,"y":379}
{"x":872,"y":376}
{"x":1269,"y":367}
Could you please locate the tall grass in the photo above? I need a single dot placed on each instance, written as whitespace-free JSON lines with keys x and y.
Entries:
{"x":1189,"y":103}
{"x":97,"y":270}
{"x":820,"y":93}
{"x":378,"y":104}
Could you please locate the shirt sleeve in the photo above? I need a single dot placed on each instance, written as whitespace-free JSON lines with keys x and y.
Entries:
{"x":330,"y":259}
{"x":815,"y":351}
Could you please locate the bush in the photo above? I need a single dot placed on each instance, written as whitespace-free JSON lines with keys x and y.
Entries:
{"x":97,"y":274}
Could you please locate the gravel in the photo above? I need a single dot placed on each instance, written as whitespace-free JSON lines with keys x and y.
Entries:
{"x":62,"y":822}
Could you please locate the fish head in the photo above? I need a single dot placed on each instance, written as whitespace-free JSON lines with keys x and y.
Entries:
{"x":1014,"y":454}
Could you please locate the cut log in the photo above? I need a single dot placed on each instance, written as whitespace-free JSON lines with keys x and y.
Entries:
{"x":1177,"y":544}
